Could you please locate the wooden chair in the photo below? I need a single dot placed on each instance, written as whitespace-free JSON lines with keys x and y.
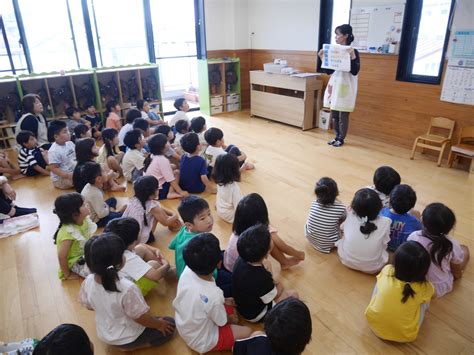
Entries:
{"x":464,"y":148}
{"x":434,"y":141}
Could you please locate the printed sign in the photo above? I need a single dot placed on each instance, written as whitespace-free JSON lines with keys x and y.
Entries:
{"x":336,"y":57}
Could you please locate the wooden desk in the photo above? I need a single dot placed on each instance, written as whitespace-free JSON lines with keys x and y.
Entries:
{"x":283,"y":98}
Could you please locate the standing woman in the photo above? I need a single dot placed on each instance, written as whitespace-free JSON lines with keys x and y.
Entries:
{"x":33,"y":120}
{"x":341,"y":92}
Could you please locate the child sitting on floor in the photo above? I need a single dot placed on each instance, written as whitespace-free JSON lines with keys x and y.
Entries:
{"x":82,"y":131}
{"x":73,"y":119}
{"x":61,"y":155}
{"x":448,"y":257}
{"x":100,"y":211}
{"x":366,"y":234}
{"x":134,"y":159}
{"x":288,"y":329}
{"x":131,"y":116}
{"x":198,"y":126}
{"x":65,"y":338}
{"x":325,"y":216}
{"x":182,"y":107}
{"x":147,"y":210}
{"x":204,"y":318}
{"x":171,"y":153}
{"x":182,"y":127}
{"x":401,"y":296}
{"x":93,"y":118}
{"x":402,"y":200}
{"x":193,"y":167}
{"x":122,"y":314}
{"x":226,"y":174}
{"x":112,"y":115}
{"x":254,"y":289}
{"x":6,"y":167}
{"x":252,"y":210}
{"x":385,"y":179}
{"x":7,"y":208}
{"x":158,"y":166}
{"x":144,"y":265}
{"x":31,"y":159}
{"x":108,"y":156}
{"x":75,"y":228}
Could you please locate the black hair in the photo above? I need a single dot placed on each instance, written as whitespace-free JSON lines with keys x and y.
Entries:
{"x":366,"y":204}
{"x":182,"y":126}
{"x":84,"y":150}
{"x":89,"y":104}
{"x":402,"y":198}
{"x":202,"y":253}
{"x":198,"y":124}
{"x":254,"y":243}
{"x":226,"y":169}
{"x":346,"y":29}
{"x":28,"y":103}
{"x":163,"y":129}
{"x":411,"y":263}
{"x":90,"y":171}
{"x":66,"y":338}
{"x":178,"y":103}
{"x":79,"y":130}
{"x":132,"y":138}
{"x":132,"y":115}
{"x":66,"y":206}
{"x":326,"y":191}
{"x":109,"y":106}
{"x":190,"y":207}
{"x":54,"y":128}
{"x":385,"y":179}
{"x":127,"y":228}
{"x":140,"y":104}
{"x":70,"y":111}
{"x":212,"y":135}
{"x":288,"y":327}
{"x":104,"y":257}
{"x":144,"y":187}
{"x":438,"y":220}
{"x":141,"y":123}
{"x":189,"y":142}
{"x":251,"y":210}
{"x":23,"y":137}
{"x":157,"y":145}
{"x":108,"y":136}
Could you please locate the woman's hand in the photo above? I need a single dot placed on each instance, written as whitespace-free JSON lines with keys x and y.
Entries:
{"x":321,"y":54}
{"x":351,"y":53}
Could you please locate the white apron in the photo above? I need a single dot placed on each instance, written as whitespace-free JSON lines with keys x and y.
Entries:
{"x":42,"y":129}
{"x":341,"y":92}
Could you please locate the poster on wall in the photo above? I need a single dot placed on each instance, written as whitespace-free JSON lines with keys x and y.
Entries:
{"x":336,"y":57}
{"x":458,"y":83}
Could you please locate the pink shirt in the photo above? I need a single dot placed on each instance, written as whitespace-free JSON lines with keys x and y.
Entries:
{"x":231,"y":253}
{"x":113,"y":121}
{"x":160,"y":167}
{"x":441,"y":277}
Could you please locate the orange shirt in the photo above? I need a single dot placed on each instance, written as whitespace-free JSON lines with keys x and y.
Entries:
{"x":113,"y":121}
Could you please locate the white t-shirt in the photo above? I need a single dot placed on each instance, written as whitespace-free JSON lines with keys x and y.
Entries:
{"x":64,"y":156}
{"x":212,"y":153}
{"x":94,"y":199}
{"x":123,"y":131}
{"x":367,"y":253}
{"x":133,"y":159}
{"x":179,"y":115}
{"x":115,"y":311}
{"x":227,"y":199}
{"x":177,"y":139}
{"x":135,"y":267}
{"x":200,"y":311}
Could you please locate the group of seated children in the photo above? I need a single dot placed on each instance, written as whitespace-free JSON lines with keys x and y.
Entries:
{"x":379,"y":222}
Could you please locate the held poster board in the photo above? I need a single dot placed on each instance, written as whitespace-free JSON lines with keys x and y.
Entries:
{"x":336,"y":57}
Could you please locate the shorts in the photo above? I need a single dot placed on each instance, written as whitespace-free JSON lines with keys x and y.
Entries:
{"x":149,"y":337}
{"x":226,"y":336}
{"x":145,"y":285}
{"x":163,"y":192}
{"x":63,"y":183}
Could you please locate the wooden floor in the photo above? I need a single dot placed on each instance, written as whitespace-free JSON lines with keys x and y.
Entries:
{"x":288,"y":163}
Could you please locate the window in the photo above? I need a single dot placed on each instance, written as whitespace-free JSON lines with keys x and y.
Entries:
{"x":424,"y":41}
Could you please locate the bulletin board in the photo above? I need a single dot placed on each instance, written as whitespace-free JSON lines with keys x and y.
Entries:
{"x":377,"y":29}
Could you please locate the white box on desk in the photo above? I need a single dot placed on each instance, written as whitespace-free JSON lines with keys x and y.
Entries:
{"x":233,"y":98}
{"x":217,"y":100}
{"x":216,"y":109}
{"x":232,"y":107}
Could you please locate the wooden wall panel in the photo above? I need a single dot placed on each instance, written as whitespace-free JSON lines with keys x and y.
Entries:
{"x":386,"y":110}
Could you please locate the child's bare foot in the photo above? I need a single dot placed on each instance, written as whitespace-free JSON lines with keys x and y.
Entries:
{"x":17,"y":177}
{"x":249,"y":166}
{"x":291,"y":261}
{"x":118,"y":188}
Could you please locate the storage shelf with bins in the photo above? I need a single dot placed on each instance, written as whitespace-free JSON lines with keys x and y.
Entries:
{"x":219,"y":85}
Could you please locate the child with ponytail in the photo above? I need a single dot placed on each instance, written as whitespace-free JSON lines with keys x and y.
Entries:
{"x":402,"y":295}
{"x":75,"y":228}
{"x":366,"y":234}
{"x":325,"y":216}
{"x":147,"y":210}
{"x":448,"y":257}
{"x":109,"y":155}
{"x":122,"y":314}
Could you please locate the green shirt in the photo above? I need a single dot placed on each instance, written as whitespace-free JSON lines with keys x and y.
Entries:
{"x":177,"y":244}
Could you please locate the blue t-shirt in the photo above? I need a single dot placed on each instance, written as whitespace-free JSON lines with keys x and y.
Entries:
{"x":256,"y":345}
{"x":190,"y":171}
{"x":402,"y":226}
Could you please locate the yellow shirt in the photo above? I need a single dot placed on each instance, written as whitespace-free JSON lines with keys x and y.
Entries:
{"x":388,"y":317}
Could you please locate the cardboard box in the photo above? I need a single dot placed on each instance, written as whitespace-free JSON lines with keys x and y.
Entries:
{"x":216,"y":109}
{"x":217,"y":100}
{"x":233,"y":107}
{"x":233,"y":98}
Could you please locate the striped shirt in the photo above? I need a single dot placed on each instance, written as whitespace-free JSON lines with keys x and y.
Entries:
{"x":322,"y":226}
{"x":26,"y":158}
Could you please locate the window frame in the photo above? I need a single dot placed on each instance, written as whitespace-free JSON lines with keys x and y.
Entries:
{"x":409,"y":40}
